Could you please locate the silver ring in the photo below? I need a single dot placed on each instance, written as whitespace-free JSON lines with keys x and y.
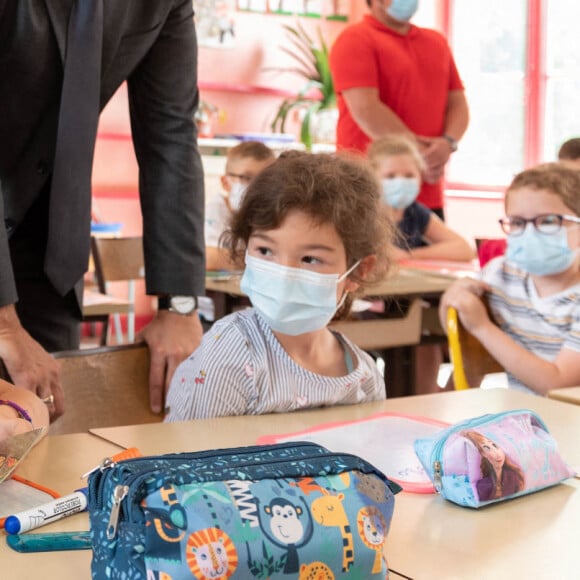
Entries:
{"x":48,"y":400}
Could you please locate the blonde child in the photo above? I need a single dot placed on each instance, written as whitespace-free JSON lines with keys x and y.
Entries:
{"x":398,"y":165}
{"x":243,"y":163}
{"x":312,"y":231}
{"x":534,"y":290}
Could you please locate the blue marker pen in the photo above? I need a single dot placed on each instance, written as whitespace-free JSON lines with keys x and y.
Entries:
{"x":47,"y":513}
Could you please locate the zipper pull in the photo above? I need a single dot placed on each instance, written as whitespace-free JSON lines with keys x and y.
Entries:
{"x":437,"y":476}
{"x":118,"y":496}
{"x":111,"y":461}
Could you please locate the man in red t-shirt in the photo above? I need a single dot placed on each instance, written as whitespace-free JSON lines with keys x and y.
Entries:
{"x":393,"y":77}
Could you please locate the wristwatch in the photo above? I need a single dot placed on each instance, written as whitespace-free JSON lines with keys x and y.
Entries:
{"x":184,"y":305}
{"x":453,"y":143}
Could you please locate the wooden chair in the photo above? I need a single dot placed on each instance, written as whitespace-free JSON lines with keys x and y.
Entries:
{"x":119,"y":260}
{"x":104,"y":387}
{"x":469,"y":358}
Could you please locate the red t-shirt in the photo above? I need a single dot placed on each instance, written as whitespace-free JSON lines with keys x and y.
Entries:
{"x":413,"y":73}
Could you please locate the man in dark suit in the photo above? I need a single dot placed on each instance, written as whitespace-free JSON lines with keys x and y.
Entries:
{"x":151,"y":45}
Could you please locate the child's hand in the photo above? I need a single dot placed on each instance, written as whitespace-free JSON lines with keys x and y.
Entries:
{"x":465,"y":296}
{"x":399,"y":254}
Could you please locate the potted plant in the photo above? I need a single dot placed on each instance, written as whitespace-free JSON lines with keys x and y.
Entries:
{"x":317,"y":94}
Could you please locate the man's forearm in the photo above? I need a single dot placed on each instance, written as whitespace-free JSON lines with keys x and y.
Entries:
{"x":456,"y":115}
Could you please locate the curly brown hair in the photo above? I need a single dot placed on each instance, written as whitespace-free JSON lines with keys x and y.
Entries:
{"x":557,"y":178}
{"x":337,"y":189}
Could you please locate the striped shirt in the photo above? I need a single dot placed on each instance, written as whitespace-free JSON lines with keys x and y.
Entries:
{"x":240,"y":368}
{"x":542,"y":325}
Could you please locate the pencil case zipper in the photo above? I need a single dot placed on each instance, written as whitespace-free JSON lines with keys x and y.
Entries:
{"x":126,"y":496}
{"x":437,"y":452}
{"x":99,"y":478}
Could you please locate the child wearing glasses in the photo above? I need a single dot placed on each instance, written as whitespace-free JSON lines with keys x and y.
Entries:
{"x":243,"y":163}
{"x":534,"y":290}
{"x":312,"y":232}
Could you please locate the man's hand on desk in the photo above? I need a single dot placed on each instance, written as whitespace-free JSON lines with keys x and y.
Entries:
{"x":171,"y":338}
{"x":27,"y":363}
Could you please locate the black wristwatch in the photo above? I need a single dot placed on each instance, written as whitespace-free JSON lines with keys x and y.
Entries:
{"x":184,"y":305}
{"x":453,"y":143}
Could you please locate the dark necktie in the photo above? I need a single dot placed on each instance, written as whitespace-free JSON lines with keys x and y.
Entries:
{"x":68,"y":243}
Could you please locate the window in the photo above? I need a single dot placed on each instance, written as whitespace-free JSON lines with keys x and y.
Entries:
{"x":520,"y":64}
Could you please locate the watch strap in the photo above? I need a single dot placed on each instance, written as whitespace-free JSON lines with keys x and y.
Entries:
{"x":453,"y":143}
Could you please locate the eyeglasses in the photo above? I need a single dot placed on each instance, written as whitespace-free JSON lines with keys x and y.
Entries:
{"x":242,"y":177}
{"x":546,"y":223}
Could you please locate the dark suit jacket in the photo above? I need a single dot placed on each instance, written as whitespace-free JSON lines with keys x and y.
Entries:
{"x":152,"y":45}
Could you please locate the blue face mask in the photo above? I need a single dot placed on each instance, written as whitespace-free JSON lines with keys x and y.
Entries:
{"x":400,"y":192}
{"x":538,"y":253}
{"x":402,"y":10}
{"x":291,"y":300}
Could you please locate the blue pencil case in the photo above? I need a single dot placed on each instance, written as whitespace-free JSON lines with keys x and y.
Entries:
{"x":492,"y":457}
{"x":292,"y":510}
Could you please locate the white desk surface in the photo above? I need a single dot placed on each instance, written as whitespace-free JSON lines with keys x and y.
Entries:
{"x":57,"y":462}
{"x":531,"y":537}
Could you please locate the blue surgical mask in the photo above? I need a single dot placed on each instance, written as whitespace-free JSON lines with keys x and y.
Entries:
{"x":540,"y":254}
{"x":236,"y":194}
{"x":291,"y":300}
{"x":400,"y":192}
{"x":402,"y":10}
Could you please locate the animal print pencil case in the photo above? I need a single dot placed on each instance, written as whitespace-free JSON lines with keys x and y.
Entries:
{"x":291,"y":510}
{"x":493,"y":457}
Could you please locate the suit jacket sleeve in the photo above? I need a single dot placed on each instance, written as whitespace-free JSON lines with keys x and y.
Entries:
{"x":7,"y":286}
{"x":163,"y":98}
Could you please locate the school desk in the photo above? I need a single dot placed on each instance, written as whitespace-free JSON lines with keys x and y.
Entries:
{"x":57,"y":462}
{"x":568,"y":395}
{"x":535,"y":536}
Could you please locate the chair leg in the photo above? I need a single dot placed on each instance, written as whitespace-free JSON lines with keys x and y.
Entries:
{"x":118,"y":328}
{"x":105,"y":331}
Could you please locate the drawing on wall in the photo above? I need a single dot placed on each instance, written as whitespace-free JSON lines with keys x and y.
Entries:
{"x":215,"y":22}
{"x":330,"y":9}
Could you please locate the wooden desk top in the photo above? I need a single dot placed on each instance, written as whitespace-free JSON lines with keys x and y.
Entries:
{"x":57,"y":462}
{"x":568,"y":395}
{"x":534,"y":536}
{"x":97,"y":304}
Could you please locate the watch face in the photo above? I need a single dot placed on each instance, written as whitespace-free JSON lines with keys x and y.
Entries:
{"x":183,"y":304}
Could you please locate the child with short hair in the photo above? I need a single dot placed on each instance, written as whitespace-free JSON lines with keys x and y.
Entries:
{"x":569,"y":152}
{"x":398,"y":165}
{"x":243,"y":163}
{"x":534,"y":290}
{"x":313,"y":233}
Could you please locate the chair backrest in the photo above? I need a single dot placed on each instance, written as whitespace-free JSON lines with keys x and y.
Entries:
{"x":117,"y":259}
{"x":470,"y":360}
{"x":104,"y":387}
{"x":489,"y":248}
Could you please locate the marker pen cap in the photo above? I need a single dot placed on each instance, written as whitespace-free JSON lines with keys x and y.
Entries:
{"x":12,"y":525}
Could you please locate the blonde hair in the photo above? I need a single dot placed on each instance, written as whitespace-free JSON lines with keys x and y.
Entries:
{"x":392,"y":146}
{"x":557,"y":178}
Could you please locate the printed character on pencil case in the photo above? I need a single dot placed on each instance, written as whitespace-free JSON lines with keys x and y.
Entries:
{"x":301,"y":528}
